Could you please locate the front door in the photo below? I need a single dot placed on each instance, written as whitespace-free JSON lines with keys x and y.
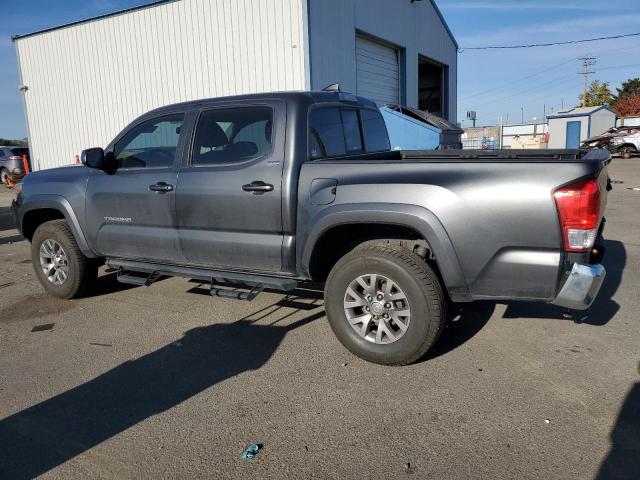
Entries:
{"x":131,"y":212}
{"x":229,"y":196}
{"x":573,"y":134}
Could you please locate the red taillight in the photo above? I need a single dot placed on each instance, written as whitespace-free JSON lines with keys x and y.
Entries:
{"x":579,"y":211}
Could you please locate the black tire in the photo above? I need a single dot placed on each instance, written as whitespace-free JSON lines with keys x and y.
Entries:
{"x":82,"y":271}
{"x":626,"y":152}
{"x":418,"y":282}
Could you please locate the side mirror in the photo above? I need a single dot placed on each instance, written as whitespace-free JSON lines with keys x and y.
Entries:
{"x":93,"y":158}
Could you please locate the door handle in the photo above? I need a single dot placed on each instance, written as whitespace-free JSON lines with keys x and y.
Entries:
{"x":257,"y":187}
{"x":161,"y":187}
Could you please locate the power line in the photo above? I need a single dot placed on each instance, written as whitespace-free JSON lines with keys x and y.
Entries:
{"x":510,"y":82}
{"x":551,"y":44}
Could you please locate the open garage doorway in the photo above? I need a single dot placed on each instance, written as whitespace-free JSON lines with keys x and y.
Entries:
{"x":431,"y":87}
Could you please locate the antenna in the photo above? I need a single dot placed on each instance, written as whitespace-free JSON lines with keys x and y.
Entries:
{"x":587,"y":62}
{"x":334,"y":87}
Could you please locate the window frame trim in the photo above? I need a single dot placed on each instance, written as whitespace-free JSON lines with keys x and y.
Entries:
{"x":191,"y":149}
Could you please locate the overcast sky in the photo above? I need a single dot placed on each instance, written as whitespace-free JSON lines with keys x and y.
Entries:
{"x":495,"y":83}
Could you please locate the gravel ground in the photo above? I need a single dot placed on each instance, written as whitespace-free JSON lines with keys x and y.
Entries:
{"x":167,"y":382}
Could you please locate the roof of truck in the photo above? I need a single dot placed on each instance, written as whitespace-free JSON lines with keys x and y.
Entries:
{"x":293,"y":96}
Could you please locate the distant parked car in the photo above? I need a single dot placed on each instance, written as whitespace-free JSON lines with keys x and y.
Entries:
{"x":624,"y":141}
{"x":11,"y":165}
{"x":627,"y":144}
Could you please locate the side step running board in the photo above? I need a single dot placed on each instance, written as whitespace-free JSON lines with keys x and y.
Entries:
{"x":140,"y":273}
{"x":133,"y":279}
{"x":236,"y":295}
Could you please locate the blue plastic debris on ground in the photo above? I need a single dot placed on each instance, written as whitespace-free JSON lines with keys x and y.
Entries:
{"x":250,"y":450}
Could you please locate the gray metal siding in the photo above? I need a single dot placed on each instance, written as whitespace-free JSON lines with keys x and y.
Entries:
{"x":377,"y":71}
{"x":415,"y":28}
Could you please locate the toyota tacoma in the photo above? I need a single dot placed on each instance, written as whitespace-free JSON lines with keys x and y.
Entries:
{"x":275,"y":190}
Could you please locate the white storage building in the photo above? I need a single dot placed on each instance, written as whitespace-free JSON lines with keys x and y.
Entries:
{"x":83,"y":82}
{"x":569,"y":128}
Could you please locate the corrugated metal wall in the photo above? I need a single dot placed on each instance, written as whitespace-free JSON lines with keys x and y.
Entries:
{"x":87,"y":82}
{"x":414,"y":28}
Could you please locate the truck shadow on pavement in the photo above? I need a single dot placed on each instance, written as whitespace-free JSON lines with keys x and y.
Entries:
{"x":623,"y":460}
{"x":56,"y":430}
{"x":604,"y":307}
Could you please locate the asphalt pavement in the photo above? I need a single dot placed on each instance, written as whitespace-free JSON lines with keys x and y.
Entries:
{"x":168,"y":382}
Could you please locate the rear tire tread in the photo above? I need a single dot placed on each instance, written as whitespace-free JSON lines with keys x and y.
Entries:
{"x":428,"y":281}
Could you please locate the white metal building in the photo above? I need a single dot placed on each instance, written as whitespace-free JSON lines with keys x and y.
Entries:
{"x":569,"y":128}
{"x":528,"y":135}
{"x":628,"y":122}
{"x":83,"y":82}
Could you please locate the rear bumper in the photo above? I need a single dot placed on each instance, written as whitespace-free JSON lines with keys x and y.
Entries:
{"x":581,"y":287}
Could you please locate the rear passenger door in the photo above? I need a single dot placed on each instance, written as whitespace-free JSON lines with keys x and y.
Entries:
{"x":229,"y":194}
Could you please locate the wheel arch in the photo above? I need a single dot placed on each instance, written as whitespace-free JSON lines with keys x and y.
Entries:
{"x":45,"y":208}
{"x":416,"y":222}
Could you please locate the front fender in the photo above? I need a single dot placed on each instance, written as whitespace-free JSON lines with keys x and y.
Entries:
{"x":417,"y":218}
{"x":61,"y":204}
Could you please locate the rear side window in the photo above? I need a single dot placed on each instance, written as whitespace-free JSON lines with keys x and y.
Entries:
{"x":376,"y":137}
{"x":335,"y":131}
{"x":151,"y":144}
{"x":229,"y":135}
{"x":326,"y":133}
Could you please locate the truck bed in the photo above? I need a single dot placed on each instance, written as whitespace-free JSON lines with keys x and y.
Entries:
{"x":494,"y":208}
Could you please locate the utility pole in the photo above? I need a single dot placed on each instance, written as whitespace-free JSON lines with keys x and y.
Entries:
{"x":587,"y":62}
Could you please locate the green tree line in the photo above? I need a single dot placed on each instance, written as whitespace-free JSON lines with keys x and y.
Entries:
{"x":13,"y":143}
{"x":626,"y":100}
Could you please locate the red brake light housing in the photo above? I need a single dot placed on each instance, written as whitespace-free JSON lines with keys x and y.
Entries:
{"x":579,"y":212}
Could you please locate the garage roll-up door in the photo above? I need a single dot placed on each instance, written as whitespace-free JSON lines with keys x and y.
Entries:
{"x":378,"y":71}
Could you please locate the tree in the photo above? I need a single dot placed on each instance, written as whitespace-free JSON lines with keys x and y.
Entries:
{"x":631,"y":86}
{"x":629,"y":105}
{"x":13,"y":143}
{"x":598,"y":94}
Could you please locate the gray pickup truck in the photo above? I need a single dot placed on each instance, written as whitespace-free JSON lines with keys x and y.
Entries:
{"x":274,"y":190}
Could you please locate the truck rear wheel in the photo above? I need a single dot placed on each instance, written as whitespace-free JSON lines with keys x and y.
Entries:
{"x":60,"y":265}
{"x":385,"y":304}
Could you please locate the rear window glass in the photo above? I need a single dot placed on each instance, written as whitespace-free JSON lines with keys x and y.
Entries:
{"x":376,"y":137}
{"x":19,"y":151}
{"x":335,"y":131}
{"x":352,"y":136}
{"x":326,"y":133}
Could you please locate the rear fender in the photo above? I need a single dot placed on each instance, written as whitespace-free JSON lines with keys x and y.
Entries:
{"x":414,"y":217}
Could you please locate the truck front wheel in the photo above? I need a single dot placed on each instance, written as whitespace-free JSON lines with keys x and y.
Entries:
{"x":60,"y":265}
{"x":385,"y":304}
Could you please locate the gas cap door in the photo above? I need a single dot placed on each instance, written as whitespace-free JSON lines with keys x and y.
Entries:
{"x":323,"y":191}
